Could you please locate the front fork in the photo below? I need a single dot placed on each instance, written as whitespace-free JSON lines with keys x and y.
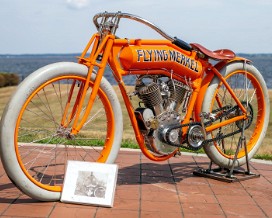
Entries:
{"x":99,"y":49}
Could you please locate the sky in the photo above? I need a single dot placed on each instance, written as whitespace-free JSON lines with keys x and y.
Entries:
{"x":65,"y":26}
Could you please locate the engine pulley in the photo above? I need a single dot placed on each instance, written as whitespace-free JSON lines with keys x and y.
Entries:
{"x":170,"y":135}
{"x":195,"y":137}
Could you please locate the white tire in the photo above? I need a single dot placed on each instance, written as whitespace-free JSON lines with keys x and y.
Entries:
{"x":222,"y":152}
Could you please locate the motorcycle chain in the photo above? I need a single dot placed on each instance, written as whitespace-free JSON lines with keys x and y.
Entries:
{"x":207,"y":141}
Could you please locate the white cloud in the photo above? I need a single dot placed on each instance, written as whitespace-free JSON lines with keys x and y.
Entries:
{"x":77,"y":4}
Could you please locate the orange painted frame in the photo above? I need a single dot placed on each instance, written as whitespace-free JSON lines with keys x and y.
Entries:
{"x":109,"y":49}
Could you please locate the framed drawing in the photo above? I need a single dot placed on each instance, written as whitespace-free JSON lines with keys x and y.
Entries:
{"x":90,"y":183}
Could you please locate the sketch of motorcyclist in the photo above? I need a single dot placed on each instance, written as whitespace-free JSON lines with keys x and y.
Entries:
{"x":94,"y":187}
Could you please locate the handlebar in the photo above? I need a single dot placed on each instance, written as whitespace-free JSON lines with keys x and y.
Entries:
{"x":119,"y":15}
{"x":110,"y":21}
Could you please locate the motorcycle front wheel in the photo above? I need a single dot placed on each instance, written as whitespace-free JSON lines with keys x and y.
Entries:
{"x":35,"y":129}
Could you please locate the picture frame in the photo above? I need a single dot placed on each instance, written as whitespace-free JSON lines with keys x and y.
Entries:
{"x":89,"y":183}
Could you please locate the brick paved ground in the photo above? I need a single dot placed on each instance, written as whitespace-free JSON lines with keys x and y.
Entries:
{"x":149,"y":189}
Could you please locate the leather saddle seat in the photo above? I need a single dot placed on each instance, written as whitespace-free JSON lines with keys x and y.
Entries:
{"x":221,"y":54}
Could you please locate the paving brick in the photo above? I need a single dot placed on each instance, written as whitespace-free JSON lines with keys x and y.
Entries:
{"x":70,"y":212}
{"x":160,"y":206}
{"x":194,"y":189}
{"x":154,"y":166}
{"x":242,"y":210}
{"x":128,"y":192}
{"x":115,"y":213}
{"x":267,"y":210}
{"x":193,"y":180}
{"x":23,"y":210}
{"x":156,"y":214}
{"x":197,"y":198}
{"x":26,"y":200}
{"x":128,"y":180}
{"x":70,"y":205}
{"x":164,"y":196}
{"x":156,"y":179}
{"x":3,"y":207}
{"x":204,"y":216}
{"x":150,"y":189}
{"x":226,"y":190}
{"x":156,"y":173}
{"x":201,"y":209}
{"x":264,"y":200}
{"x":235,"y":199}
{"x":126,"y":204}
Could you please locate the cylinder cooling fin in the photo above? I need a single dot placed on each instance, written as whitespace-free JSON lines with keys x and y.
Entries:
{"x":150,"y":95}
{"x":178,"y":91}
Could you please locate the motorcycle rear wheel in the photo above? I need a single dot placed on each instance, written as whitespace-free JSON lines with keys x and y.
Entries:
{"x":249,"y":86}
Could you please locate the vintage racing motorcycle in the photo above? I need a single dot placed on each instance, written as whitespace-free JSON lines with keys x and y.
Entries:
{"x":187,"y":97}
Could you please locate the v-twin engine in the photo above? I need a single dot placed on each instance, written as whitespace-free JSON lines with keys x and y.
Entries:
{"x":164,"y":100}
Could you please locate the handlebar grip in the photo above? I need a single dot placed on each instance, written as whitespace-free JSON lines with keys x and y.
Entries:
{"x":183,"y":45}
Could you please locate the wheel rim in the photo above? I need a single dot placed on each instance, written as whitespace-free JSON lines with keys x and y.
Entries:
{"x":248,"y":89}
{"x":43,"y":147}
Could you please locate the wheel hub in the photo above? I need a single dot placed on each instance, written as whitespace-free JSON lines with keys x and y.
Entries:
{"x":249,"y":115}
{"x":65,"y":133}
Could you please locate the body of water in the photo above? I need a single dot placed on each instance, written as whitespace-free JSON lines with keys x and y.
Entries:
{"x":26,"y":64}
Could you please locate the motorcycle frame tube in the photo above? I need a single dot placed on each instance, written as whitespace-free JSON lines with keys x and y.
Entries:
{"x":94,"y":40}
{"x":105,"y":47}
{"x":111,"y":48}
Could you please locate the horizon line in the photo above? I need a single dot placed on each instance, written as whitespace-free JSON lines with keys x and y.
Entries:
{"x":78,"y":53}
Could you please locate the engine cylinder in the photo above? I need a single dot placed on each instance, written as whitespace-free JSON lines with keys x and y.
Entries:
{"x":151,"y":96}
{"x":178,"y":91}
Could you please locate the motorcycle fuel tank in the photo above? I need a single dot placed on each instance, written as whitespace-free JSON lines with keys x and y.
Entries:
{"x":159,"y":57}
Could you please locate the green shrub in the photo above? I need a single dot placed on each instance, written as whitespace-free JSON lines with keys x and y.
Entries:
{"x":9,"y":79}
{"x":2,"y":81}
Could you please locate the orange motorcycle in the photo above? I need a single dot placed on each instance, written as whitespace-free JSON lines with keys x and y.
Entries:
{"x":188,"y":97}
